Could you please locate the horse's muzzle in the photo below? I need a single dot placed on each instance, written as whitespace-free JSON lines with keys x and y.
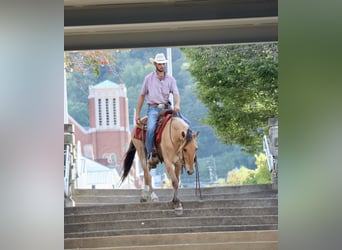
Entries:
{"x":190,"y":172}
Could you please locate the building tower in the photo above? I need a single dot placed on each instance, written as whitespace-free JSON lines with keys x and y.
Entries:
{"x":109,"y":124}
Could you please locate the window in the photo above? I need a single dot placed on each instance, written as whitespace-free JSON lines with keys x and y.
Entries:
{"x":115,"y":120}
{"x":100,"y":111}
{"x":107,"y":112}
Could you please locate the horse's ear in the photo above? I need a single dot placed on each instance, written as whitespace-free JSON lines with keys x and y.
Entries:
{"x":195,"y":135}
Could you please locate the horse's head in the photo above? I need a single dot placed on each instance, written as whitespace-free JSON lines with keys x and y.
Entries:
{"x":189,"y":152}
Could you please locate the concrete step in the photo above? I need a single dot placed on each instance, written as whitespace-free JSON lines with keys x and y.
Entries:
{"x":108,"y":217}
{"x":210,"y":240}
{"x":182,"y":191}
{"x":82,"y":200}
{"x":267,"y":245}
{"x":228,"y":203}
{"x":88,"y":197}
{"x":169,"y":213}
{"x":180,"y":230}
{"x":171,"y":222}
{"x":167,"y":223}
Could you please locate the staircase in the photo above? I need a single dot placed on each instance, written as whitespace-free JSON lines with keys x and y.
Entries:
{"x":238,"y":217}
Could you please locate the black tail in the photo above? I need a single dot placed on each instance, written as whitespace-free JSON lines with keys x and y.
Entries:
{"x":128,"y":161}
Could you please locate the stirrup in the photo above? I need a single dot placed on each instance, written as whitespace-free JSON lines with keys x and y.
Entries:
{"x":154,"y":152}
{"x":152,"y":160}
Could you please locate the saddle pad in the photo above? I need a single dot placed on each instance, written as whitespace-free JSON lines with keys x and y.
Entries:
{"x":140,"y":134}
{"x":161,"y":128}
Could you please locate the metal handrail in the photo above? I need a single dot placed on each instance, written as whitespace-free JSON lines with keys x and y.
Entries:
{"x":267,"y":151}
{"x":67,"y":170}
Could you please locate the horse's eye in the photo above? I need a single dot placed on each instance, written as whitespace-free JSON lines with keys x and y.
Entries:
{"x":184,"y":149}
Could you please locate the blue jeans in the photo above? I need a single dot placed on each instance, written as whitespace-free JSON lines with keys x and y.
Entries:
{"x":152,"y":119}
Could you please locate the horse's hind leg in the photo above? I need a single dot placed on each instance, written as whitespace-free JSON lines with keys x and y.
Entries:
{"x":154,"y":197}
{"x":147,"y":191}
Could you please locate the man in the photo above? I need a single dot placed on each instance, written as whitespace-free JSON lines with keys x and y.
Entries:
{"x":156,"y":89}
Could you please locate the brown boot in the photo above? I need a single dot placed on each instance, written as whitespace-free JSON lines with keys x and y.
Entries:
{"x":153,"y":159}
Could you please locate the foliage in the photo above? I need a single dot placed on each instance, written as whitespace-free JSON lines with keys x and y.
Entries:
{"x":239,"y":87}
{"x":243,"y":175}
{"x":83,"y":69}
{"x":262,"y":173}
{"x":239,"y":176}
{"x":89,"y":61}
{"x":221,"y":182}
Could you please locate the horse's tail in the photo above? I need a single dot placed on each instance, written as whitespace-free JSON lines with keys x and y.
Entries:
{"x":128,"y":161}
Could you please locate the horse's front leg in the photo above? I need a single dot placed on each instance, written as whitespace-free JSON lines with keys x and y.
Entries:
{"x":178,"y":204}
{"x":174,"y":175}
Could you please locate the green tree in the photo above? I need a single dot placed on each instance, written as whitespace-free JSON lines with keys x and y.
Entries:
{"x":239,"y":176}
{"x":262,"y":173}
{"x":90,"y":61}
{"x":243,"y":175}
{"x":239,"y":86}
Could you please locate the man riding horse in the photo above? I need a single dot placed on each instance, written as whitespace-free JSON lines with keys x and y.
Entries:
{"x":156,"y":88}
{"x":176,"y":145}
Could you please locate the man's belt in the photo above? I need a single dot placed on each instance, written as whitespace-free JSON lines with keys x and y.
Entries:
{"x":160,"y":105}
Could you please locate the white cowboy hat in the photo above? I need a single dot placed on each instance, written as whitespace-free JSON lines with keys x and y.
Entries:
{"x":159,"y":58}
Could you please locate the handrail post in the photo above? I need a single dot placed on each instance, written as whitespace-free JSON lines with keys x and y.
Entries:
{"x":270,"y":145}
{"x":69,"y":163}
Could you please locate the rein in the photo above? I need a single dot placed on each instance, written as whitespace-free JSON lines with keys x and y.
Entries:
{"x":198,"y":184}
{"x":170,"y":131}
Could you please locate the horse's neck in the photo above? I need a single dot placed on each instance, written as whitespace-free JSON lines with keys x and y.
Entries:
{"x":179,"y":143}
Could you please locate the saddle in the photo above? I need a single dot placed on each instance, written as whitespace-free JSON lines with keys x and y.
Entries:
{"x":163,"y":117}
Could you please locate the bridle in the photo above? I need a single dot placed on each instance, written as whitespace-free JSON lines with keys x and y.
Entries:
{"x":188,"y":138}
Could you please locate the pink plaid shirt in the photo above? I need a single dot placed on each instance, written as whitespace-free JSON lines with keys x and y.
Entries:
{"x":157,"y":91}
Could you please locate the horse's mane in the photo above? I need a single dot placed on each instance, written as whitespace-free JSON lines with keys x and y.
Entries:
{"x":188,"y":136}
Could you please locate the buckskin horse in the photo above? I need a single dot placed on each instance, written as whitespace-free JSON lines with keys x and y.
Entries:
{"x":176,"y":146}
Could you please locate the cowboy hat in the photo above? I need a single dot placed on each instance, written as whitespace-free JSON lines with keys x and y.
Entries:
{"x":159,"y":58}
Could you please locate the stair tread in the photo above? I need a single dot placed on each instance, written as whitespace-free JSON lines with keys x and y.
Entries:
{"x":186,"y":238}
{"x":164,"y":205}
{"x":162,"y":213}
{"x":180,"y":218}
{"x":103,"y":219}
{"x":258,"y":245}
{"x":157,"y":230}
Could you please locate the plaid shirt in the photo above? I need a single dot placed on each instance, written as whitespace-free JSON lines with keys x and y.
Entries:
{"x":158,"y":91}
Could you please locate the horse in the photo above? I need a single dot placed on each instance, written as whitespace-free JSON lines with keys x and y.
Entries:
{"x":176,"y":148}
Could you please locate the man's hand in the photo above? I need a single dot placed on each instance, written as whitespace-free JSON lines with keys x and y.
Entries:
{"x":137,"y":120}
{"x":176,"y":108}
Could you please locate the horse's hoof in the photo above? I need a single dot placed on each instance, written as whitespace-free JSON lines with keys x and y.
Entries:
{"x":143,"y":199}
{"x":179,"y":210}
{"x":144,"y":194}
{"x":154,"y":197}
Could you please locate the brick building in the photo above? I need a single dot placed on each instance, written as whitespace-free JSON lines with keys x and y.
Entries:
{"x":107,"y":138}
